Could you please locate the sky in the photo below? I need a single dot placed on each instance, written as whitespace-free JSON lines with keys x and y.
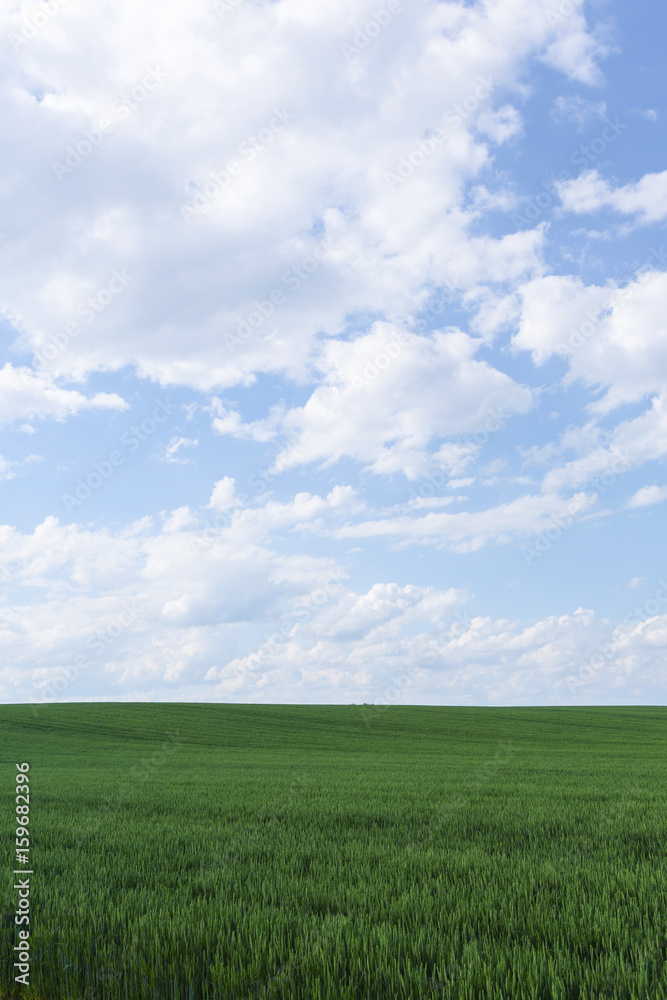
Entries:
{"x":334,"y":352}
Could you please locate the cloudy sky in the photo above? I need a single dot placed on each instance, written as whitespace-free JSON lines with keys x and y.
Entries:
{"x":334,"y":351}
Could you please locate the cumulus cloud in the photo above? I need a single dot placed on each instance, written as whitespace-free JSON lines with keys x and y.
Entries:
{"x":612,"y":337}
{"x":294,"y":236}
{"x":192,"y":584}
{"x":384,"y":397}
{"x":647,"y":496}
{"x":23,"y":393}
{"x":500,"y":125}
{"x":224,"y":494}
{"x":646,"y":199}
{"x":574,"y":51}
{"x":367,"y":647}
{"x":178,"y":608}
{"x":228,"y":421}
{"x":285,"y":194}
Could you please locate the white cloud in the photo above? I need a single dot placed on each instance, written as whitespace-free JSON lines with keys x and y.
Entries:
{"x":195,"y":586}
{"x":455,"y":457}
{"x":229,"y":421}
{"x":171,"y":452}
{"x":646,"y":199}
{"x":629,"y":445}
{"x":647,"y":496}
{"x":25,"y":394}
{"x":551,"y":308}
{"x":149,"y":612}
{"x":367,"y":647}
{"x":469,"y":531}
{"x":320,"y":177}
{"x":611,"y":337}
{"x":500,"y":125}
{"x":574,"y":51}
{"x":11,"y":469}
{"x":6,"y":471}
{"x":181,"y":251}
{"x":484,"y":200}
{"x":385,"y":396}
{"x":578,"y":110}
{"x":253,"y":524}
{"x":224,"y":495}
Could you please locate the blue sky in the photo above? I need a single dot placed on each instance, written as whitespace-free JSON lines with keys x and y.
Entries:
{"x":334,"y":352}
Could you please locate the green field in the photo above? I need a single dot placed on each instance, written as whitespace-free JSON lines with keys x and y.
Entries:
{"x":185,"y":851}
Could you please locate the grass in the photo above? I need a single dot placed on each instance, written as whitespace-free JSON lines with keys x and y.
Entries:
{"x":205,"y":852}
